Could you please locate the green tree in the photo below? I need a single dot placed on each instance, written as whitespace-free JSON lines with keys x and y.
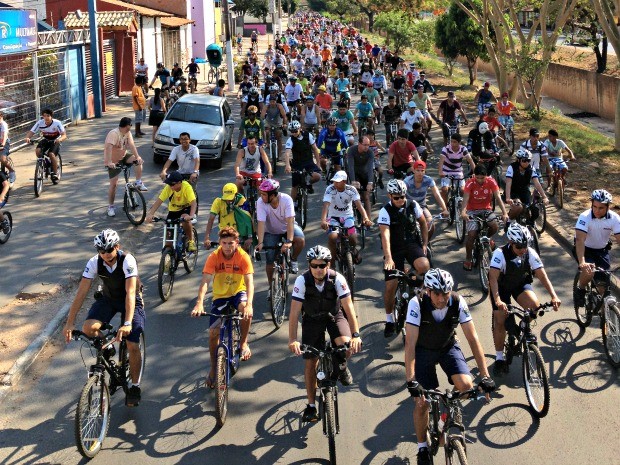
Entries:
{"x":528,"y":68}
{"x":585,"y":19}
{"x":456,"y":34}
{"x":398,"y":27}
{"x":341,"y":8}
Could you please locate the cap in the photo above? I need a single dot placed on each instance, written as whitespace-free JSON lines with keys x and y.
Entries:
{"x":229,"y":191}
{"x":487,"y":84}
{"x":340,"y":176}
{"x":322,"y":88}
{"x":173,"y":177}
{"x":419,"y":164}
{"x":505,"y":94}
{"x":534,"y":132}
{"x":412,"y":104}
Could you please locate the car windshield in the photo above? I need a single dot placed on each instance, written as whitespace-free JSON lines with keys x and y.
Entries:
{"x":192,"y":113}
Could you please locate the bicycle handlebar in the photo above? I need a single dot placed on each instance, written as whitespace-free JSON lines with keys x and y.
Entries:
{"x":233,"y":316}
{"x":305,"y":348}
{"x":540,"y":310}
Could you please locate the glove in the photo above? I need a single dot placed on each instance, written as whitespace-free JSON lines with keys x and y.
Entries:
{"x":487,"y":384}
{"x":415,"y":389}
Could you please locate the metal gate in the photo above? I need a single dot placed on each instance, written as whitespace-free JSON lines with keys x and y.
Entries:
{"x":109,"y":69}
{"x":17,"y":93}
{"x":171,"y":42}
{"x":53,"y":83}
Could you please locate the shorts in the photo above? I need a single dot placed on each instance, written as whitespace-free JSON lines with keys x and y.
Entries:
{"x":139,"y":116}
{"x":451,"y":360}
{"x":156,"y":117}
{"x":276,"y":126}
{"x":114,"y":172}
{"x":335,"y":157}
{"x":525,"y":196}
{"x":362,"y":178}
{"x":308,"y":167}
{"x":446,"y":182}
{"x":445,"y":128}
{"x":45,"y":144}
{"x":410,"y":252}
{"x":346,"y":221}
{"x":506,"y":121}
{"x":601,"y":258}
{"x":104,"y":309}
{"x":271,"y":240}
{"x":256,"y":177}
{"x":178,"y":214}
{"x":472,"y":225}
{"x":313,"y":330}
{"x":218,"y":305}
{"x":4,"y":151}
{"x":292,"y":102}
{"x":404,"y":168}
{"x":557,"y":163}
{"x":506,"y":296}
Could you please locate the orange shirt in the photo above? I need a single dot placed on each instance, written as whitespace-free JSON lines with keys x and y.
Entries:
{"x":326,"y":54}
{"x":504,"y":109}
{"x":324,"y":101}
{"x":492,"y":122}
{"x":139,"y":95}
{"x":228,"y":275}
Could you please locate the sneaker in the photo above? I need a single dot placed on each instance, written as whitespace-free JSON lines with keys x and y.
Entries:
{"x":390,"y":329}
{"x":579,"y":297}
{"x":191,"y":246}
{"x":310,"y":415}
{"x":111,"y":211}
{"x":133,"y":396}
{"x":500,"y":367}
{"x":345,"y":377}
{"x":54,"y":176}
{"x":12,"y":177}
{"x":294,"y":267}
{"x":424,"y":456}
{"x":380,"y":183}
{"x":6,"y":226}
{"x":140,"y":186}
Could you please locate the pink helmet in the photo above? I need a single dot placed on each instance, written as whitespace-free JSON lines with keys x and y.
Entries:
{"x":269,"y":185}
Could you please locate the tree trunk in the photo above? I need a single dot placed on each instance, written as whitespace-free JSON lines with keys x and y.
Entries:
{"x":371,"y":20}
{"x":471,"y":64}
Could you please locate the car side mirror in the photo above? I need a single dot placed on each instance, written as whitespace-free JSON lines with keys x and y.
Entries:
{"x":230,"y":122}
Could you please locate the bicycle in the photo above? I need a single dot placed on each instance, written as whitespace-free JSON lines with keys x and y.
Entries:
{"x":228,"y":356}
{"x":193,"y":83}
{"x":278,"y":286}
{"x":134,"y":204}
{"x":6,"y":226}
{"x":408,"y":287}
{"x":525,"y":220}
{"x":301,"y":203}
{"x":557,"y":180}
{"x":522,"y":341}
{"x":455,"y":205}
{"x":540,"y":222}
{"x":252,"y":195}
{"x":174,"y":250}
{"x":390,"y":134}
{"x":214,"y":74}
{"x":328,"y":388}
{"x":599,"y":301}
{"x":364,"y":124}
{"x":43,"y":169}
{"x":344,"y":256}
{"x":483,"y":250}
{"x":509,"y":135}
{"x":92,"y":415}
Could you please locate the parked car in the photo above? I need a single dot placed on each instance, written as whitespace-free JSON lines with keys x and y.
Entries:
{"x":207,"y":120}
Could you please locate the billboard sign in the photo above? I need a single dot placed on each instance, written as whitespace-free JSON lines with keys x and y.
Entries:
{"x":18,"y":31}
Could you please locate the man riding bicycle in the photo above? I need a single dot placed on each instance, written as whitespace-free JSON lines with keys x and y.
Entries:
{"x":188,"y":160}
{"x":274,"y":116}
{"x":227,"y":209}
{"x":447,"y":115}
{"x":360,"y":167}
{"x":401,"y":155}
{"x":364,"y":112}
{"x":53,"y":133}
{"x":332,"y":142}
{"x":301,"y":154}
{"x":248,"y":163}
{"x":391,"y":116}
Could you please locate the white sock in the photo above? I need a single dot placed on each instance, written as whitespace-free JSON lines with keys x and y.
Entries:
{"x":389,"y":317}
{"x":499,"y":355}
{"x":311,"y":405}
{"x":422,"y":444}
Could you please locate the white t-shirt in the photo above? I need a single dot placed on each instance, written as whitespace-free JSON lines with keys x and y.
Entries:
{"x":340,"y":203}
{"x":289,"y":141}
{"x":414,"y":315}
{"x":355,"y":67}
{"x":384,"y":217}
{"x":293,"y":92}
{"x":598,"y":230}
{"x":142,"y":69}
{"x":299,"y":289}
{"x":307,"y":53}
{"x":52,"y":131}
{"x":275,"y":218}
{"x":510,"y":172}
{"x":130,"y":267}
{"x":185,"y":159}
{"x":498,"y":261}
{"x":409,"y":119}
{"x":4,"y":130}
{"x":298,"y":65}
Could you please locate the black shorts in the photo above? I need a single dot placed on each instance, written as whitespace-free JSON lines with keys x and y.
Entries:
{"x":48,"y":144}
{"x":362,"y":178}
{"x":410,"y":252}
{"x":313,"y":330}
{"x":310,"y":167}
{"x":601,"y":258}
{"x":176,"y":215}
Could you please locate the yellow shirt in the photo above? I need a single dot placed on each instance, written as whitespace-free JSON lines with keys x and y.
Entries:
{"x":228,"y":274}
{"x":137,"y":94}
{"x":224,"y":213}
{"x":178,"y":200}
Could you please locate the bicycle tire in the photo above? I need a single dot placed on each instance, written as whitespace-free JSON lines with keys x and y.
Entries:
{"x":582,"y":314}
{"x":123,"y":358}
{"x":455,"y":452}
{"x":278,"y":300}
{"x":5,"y":237}
{"x":541,"y":221}
{"x":189,"y":261}
{"x":453,"y":213}
{"x":552,"y":185}
{"x":610,"y":327}
{"x":330,"y":423}
{"x":460,"y":225}
{"x":485,"y":260}
{"x":511,"y":141}
{"x":560,"y":196}
{"x":236,"y":347}
{"x":38,"y":178}
{"x":134,"y":206}
{"x":165,"y":274}
{"x":349,"y":272}
{"x":211,"y":76}
{"x":536,"y":381}
{"x":58,"y":170}
{"x":92,"y":416}
{"x":534,"y":241}
{"x":273,"y":150}
{"x":221,"y":386}
{"x":303,"y":209}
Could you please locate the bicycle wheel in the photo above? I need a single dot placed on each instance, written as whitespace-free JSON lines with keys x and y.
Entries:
{"x":534,"y":241}
{"x":510,"y":139}
{"x":541,"y":221}
{"x":273,"y":151}
{"x":134,"y":206}
{"x":211,"y":76}
{"x":303,"y":208}
{"x":278,"y":298}
{"x":92,"y":416}
{"x":536,"y":381}
{"x":451,"y":210}
{"x":610,"y":326}
{"x":58,"y":170}
{"x":455,"y":452}
{"x":460,"y":225}
{"x":560,"y":195}
{"x":330,"y":424}
{"x":165,"y":274}
{"x":348,"y":271}
{"x":5,"y":236}
{"x":123,"y":359}
{"x":583,"y":314}
{"x":38,"y":178}
{"x":189,"y":261}
{"x":485,"y":260}
{"x":236,"y":346}
{"x":221,"y":386}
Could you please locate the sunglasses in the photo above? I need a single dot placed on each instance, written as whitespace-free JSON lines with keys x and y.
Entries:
{"x":524,"y":161}
{"x":321,"y":266}
{"x":398,"y":197}
{"x":108,"y":250}
{"x":520,"y":246}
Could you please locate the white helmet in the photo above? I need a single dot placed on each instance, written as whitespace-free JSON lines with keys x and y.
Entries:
{"x":523,"y":154}
{"x":318,"y":252}
{"x":274,"y":88}
{"x":518,"y":234}
{"x":438,"y":280}
{"x":396,"y":186}
{"x":601,"y":195}
{"x":294,"y":125}
{"x":483,"y":128}
{"x":106,"y":239}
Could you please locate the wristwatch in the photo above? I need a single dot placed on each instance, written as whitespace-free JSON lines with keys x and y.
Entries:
{"x":127,"y":323}
{"x":288,"y":241}
{"x":354,"y":335}
{"x":197,"y":172}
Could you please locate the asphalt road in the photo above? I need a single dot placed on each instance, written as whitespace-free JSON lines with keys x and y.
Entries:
{"x":175,"y":423}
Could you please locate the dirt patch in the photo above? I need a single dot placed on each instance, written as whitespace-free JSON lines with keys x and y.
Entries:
{"x":584,"y":58}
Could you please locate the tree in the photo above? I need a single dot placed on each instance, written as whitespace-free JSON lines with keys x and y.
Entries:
{"x":341,"y":8}
{"x":257,"y":8}
{"x":528,"y":68}
{"x":398,"y":27}
{"x":423,"y":35}
{"x":457,"y":34}
{"x":607,"y":12}
{"x":585,"y":19}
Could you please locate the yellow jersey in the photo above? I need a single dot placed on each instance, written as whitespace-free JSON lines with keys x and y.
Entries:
{"x":178,"y":200}
{"x":228,"y":275}
{"x":224,"y":213}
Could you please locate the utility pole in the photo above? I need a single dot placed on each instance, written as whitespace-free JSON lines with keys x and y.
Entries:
{"x":94,"y":56}
{"x":230,"y":65}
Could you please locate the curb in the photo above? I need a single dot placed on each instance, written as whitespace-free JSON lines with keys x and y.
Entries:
{"x":29,"y":355}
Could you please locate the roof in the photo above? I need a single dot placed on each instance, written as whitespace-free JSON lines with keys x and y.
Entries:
{"x":175,"y":21}
{"x":106,"y":19}
{"x":144,"y":11}
{"x":201,"y":99}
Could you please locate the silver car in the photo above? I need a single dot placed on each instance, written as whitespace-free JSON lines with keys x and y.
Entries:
{"x":207,"y":120}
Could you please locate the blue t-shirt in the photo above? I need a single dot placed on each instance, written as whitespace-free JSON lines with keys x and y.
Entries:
{"x":364,"y":110}
{"x":344,"y":121}
{"x":342,"y":84}
{"x":418,"y":193}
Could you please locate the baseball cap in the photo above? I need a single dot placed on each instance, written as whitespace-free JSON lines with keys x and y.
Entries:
{"x":534,"y":132}
{"x":173,"y":177}
{"x":322,"y":88}
{"x":487,"y":84}
{"x":229,"y":191}
{"x":419,"y":164}
{"x":340,"y":176}
{"x":505,"y":94}
{"x":412,"y":104}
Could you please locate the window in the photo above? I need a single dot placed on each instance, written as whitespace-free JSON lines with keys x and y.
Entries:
{"x":192,"y":113}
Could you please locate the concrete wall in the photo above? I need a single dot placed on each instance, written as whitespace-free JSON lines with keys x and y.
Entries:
{"x":203,"y":30}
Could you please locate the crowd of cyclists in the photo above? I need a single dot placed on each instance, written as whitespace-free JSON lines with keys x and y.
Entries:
{"x":298,"y":95}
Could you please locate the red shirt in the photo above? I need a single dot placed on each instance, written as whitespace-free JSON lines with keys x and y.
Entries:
{"x":402,"y":155}
{"x":480,"y":196}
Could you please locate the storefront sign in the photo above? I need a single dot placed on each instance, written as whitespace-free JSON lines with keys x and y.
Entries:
{"x":18,"y":31}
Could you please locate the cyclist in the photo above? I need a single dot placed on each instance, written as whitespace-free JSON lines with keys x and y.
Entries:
{"x":163,"y":74}
{"x":244,"y":87}
{"x":275,"y":94}
{"x":274,"y":117}
{"x":484,"y":98}
{"x":342,"y":85}
{"x":411,"y":116}
{"x":404,"y":236}
{"x":481,"y":146}
{"x":332,"y":142}
{"x":478,"y":194}
{"x":420,"y":140}
{"x":374,"y":98}
{"x":122,"y":293}
{"x":425,"y":106}
{"x":593,"y":233}
{"x":540,"y":157}
{"x":555,"y":150}
{"x":390,"y":115}
{"x":5,"y":145}
{"x":447,"y":115}
{"x":188,"y":160}
{"x":319,"y":80}
{"x":324,"y":101}
{"x":294,"y":94}
{"x":379,"y":83}
{"x":305,"y":157}
{"x":511,"y":273}
{"x":252,"y":99}
{"x":323,"y":299}
{"x":252,"y":125}
{"x":310,"y":115}
{"x":54,"y":134}
{"x":451,"y":164}
{"x":504,"y":108}
{"x":230,"y":270}
{"x":338,"y":204}
{"x":249,"y":161}
{"x":254,"y":40}
{"x":418,"y":184}
{"x":181,"y":205}
{"x":401,"y":155}
{"x":5,"y":186}
{"x":398,"y":82}
{"x":275,"y":214}
{"x":431,"y":340}
{"x":360,"y":165}
{"x":227,"y":209}
{"x":426,"y":86}
{"x":346,"y":121}
{"x":364,"y":113}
